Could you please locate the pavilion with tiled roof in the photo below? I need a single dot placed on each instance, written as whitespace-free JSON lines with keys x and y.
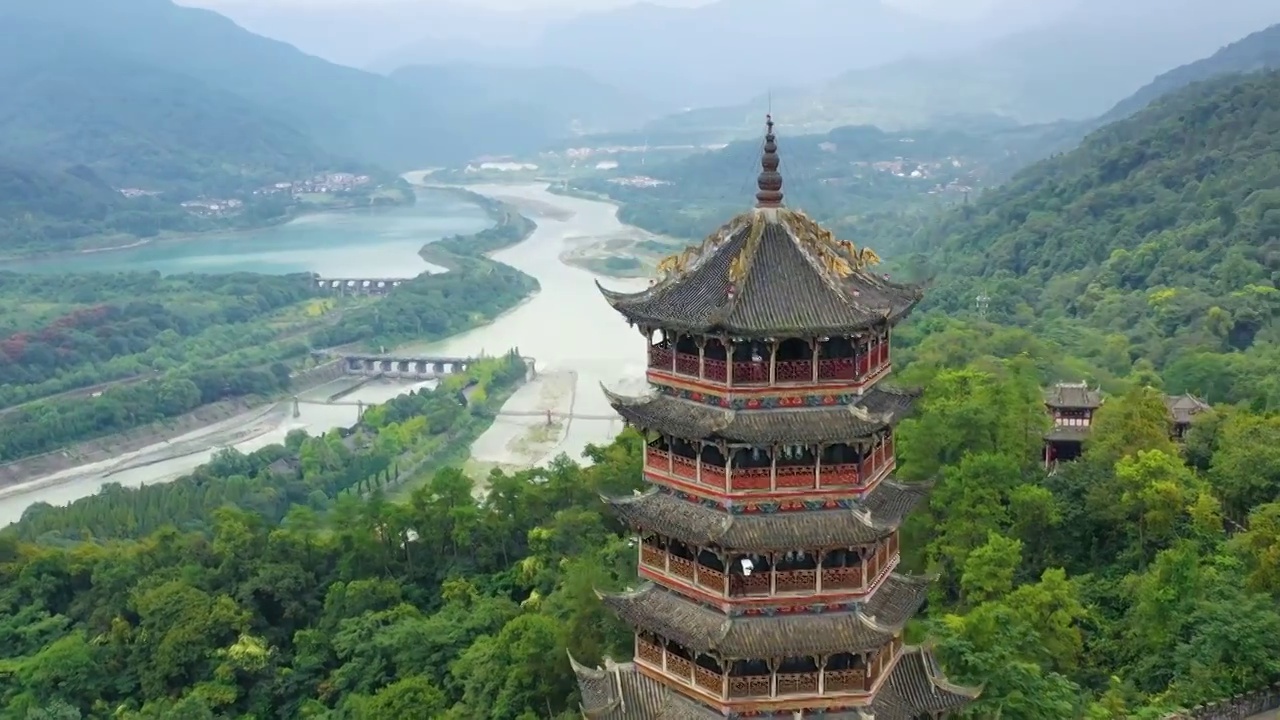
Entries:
{"x":768,"y":538}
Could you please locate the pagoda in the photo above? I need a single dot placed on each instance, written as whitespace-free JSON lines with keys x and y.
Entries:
{"x":768,"y":538}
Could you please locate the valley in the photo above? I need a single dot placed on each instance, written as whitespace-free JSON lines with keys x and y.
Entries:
{"x":946,"y":389}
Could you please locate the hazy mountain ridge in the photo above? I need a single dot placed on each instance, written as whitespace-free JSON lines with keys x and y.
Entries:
{"x":66,"y":100}
{"x":1258,"y":51}
{"x":1076,"y":67}
{"x":250,"y":88}
{"x":544,"y":102}
{"x":723,"y":50}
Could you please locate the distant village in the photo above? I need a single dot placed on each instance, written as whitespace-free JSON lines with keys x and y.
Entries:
{"x":320,"y":184}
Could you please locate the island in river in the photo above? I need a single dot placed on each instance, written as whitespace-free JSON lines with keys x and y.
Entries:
{"x":576,"y":340}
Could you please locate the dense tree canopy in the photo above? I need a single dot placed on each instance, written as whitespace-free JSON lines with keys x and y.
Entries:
{"x":1118,"y":587}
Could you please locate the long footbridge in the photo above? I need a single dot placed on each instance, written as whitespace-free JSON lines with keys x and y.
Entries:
{"x":417,"y":367}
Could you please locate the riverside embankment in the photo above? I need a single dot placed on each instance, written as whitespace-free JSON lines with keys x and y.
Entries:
{"x":167,"y":453}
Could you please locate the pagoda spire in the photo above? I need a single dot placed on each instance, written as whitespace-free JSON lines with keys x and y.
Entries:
{"x":770,"y":180}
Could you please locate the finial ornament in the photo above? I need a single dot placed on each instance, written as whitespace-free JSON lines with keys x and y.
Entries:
{"x":770,"y":180}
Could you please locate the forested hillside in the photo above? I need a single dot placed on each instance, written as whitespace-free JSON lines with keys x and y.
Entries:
{"x":77,"y":101}
{"x":242,"y":90}
{"x":1162,"y":230}
{"x":1107,"y":591}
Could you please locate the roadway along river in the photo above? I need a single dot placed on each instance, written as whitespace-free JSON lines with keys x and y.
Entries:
{"x":577,"y":338}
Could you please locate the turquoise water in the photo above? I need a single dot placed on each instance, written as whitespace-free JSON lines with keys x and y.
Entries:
{"x":381,"y":242}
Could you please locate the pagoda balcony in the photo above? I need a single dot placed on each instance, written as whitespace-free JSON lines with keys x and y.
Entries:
{"x":730,"y":687}
{"x":776,"y":476}
{"x":859,"y":366}
{"x":771,"y":583}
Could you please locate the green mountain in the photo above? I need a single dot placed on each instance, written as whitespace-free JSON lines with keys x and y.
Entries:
{"x":241,"y":89}
{"x":68,"y":102}
{"x":1163,"y":229}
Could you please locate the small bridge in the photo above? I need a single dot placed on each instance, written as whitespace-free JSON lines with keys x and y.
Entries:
{"x":397,"y":366}
{"x":359,"y":286}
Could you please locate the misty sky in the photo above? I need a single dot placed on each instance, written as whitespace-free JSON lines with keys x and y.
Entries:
{"x":935,"y":8}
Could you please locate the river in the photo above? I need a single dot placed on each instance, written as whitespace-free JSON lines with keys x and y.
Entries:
{"x":377,"y":242}
{"x":578,"y":341}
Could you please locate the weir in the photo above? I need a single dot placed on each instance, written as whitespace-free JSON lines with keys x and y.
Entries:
{"x":414,"y":367}
{"x":359,"y":286}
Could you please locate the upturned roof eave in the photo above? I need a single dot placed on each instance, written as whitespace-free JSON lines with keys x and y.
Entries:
{"x":635,"y":316}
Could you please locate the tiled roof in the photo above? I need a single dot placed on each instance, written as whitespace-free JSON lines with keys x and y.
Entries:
{"x":619,"y":692}
{"x":704,"y":629}
{"x":879,"y":408}
{"x":1073,"y":395}
{"x":770,"y":272}
{"x":917,"y":686}
{"x":875,"y":517}
{"x":1183,"y":407}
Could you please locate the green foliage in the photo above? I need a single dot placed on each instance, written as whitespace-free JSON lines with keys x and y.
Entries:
{"x":1153,"y":232}
{"x":414,"y":610}
{"x":73,"y":331}
{"x":305,"y":473}
{"x":1111,"y":589}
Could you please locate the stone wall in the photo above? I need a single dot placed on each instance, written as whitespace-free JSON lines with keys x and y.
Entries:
{"x":1239,"y":707}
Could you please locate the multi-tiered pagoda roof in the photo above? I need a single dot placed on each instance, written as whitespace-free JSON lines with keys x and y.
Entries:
{"x":879,"y":407}
{"x":872,"y":518}
{"x":769,"y":537}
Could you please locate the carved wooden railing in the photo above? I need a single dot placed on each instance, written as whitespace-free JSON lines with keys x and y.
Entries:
{"x":737,"y":687}
{"x":836,"y":681}
{"x":657,"y":459}
{"x":757,"y":372}
{"x":715,"y":370}
{"x":659,"y":357}
{"x":653,"y":557}
{"x":765,"y":582}
{"x":751,"y":373}
{"x":708,"y":680}
{"x":745,"y":686}
{"x":798,"y":683}
{"x":791,"y":371}
{"x":744,"y":585}
{"x":845,"y":578}
{"x":679,"y":667}
{"x":684,"y":467}
{"x":711,"y":579}
{"x":687,"y":364}
{"x":680,"y":567}
{"x":841,"y":475}
{"x":796,"y":581}
{"x":714,"y":476}
{"x":796,"y":477}
{"x":837,"y":369}
{"x":751,"y":478}
{"x":649,"y":653}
